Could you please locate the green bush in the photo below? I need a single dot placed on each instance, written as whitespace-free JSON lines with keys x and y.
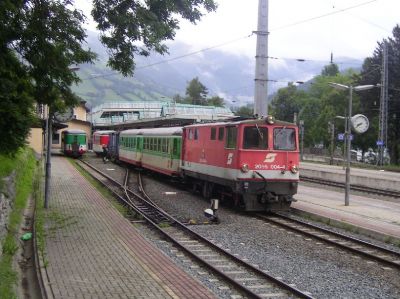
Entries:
{"x":24,"y":164}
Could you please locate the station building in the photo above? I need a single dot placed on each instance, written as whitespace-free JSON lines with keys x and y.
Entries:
{"x":124,"y":115}
{"x":37,"y":135}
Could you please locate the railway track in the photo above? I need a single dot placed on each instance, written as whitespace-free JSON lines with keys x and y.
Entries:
{"x":248,"y":280}
{"x":371,"y":251}
{"x":365,"y":189}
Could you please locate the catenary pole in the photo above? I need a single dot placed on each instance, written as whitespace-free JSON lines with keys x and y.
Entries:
{"x":261,"y":73}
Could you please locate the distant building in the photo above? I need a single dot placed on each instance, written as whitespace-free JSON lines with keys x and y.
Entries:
{"x":36,"y":138}
{"x":122,"y":112}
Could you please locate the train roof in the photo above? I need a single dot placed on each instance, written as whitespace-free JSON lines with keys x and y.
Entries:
{"x":259,"y":121}
{"x":103,"y":132}
{"x":169,"y":131}
{"x":74,"y":131}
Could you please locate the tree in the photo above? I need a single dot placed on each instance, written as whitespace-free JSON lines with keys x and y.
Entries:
{"x":196,"y":92}
{"x":371,"y":74}
{"x":286,"y":103}
{"x":245,"y":111}
{"x":216,"y":101}
{"x":178,"y":99}
{"x":330,"y":70}
{"x":45,"y":38}
{"x":16,"y":103}
{"x":125,"y":23}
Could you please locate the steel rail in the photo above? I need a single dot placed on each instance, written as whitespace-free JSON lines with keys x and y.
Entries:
{"x":182,"y":226}
{"x":334,"y":242}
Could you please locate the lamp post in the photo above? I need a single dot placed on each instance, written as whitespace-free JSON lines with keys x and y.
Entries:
{"x":48,"y":158}
{"x":348,"y":130}
{"x":49,"y":129}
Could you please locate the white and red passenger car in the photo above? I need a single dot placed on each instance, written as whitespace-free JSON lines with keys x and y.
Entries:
{"x":100,"y":140}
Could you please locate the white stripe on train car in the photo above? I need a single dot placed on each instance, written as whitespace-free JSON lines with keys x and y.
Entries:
{"x":236,"y":174}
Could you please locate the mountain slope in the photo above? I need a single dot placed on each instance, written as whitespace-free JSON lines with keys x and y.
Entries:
{"x":161,"y":77}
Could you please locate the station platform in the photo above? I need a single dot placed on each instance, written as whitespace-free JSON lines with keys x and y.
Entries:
{"x":358,"y":176}
{"x":377,"y":218}
{"x":92,"y":251}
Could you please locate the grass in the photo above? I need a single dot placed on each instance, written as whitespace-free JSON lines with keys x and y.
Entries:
{"x":24,"y":164}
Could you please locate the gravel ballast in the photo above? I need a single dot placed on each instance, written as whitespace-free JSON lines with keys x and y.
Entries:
{"x":313,"y":266}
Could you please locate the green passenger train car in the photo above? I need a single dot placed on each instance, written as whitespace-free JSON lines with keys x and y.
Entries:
{"x":73,"y":143}
{"x":156,"y":149}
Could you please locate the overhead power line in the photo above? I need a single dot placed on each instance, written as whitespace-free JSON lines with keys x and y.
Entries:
{"x":176,"y":57}
{"x":241,"y":38}
{"x":322,"y":16}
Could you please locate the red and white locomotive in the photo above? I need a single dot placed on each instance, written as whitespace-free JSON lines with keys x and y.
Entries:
{"x":254,"y":162}
{"x":101,"y":140}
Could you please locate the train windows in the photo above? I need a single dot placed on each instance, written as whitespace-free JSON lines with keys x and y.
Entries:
{"x":284,"y":139}
{"x":165,"y":145}
{"x":213,"y":133}
{"x":231,"y":137}
{"x":175,"y":147}
{"x":221,"y":133}
{"x":190,"y":134}
{"x":196,"y":134}
{"x":255,"y":137}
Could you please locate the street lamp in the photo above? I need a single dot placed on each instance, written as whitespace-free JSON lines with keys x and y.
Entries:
{"x":348,"y":130}
{"x":49,"y":129}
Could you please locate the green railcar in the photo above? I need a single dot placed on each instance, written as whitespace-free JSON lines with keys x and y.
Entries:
{"x":73,"y":143}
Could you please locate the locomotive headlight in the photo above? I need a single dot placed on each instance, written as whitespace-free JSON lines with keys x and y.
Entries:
{"x":294,"y":169}
{"x":245,"y":168}
{"x":270,"y":119}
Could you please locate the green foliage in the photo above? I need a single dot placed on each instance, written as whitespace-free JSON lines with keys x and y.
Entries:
{"x":24,"y":165}
{"x":16,"y":103}
{"x":8,"y":278}
{"x":216,"y":101}
{"x":287,"y":102}
{"x":330,"y":70}
{"x":245,"y":111}
{"x":125,"y":23}
{"x":196,"y":92}
{"x":41,"y":40}
{"x":371,"y":74}
{"x":316,"y":106}
{"x":6,"y":165}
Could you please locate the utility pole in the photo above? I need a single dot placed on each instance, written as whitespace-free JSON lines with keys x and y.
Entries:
{"x":261,"y":74}
{"x":331,"y":129}
{"x":383,"y":109}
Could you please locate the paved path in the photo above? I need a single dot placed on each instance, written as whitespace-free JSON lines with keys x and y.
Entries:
{"x":93,"y":252}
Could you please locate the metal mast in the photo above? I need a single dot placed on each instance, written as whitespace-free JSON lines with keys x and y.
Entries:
{"x":261,"y":75}
{"x":383,"y":109}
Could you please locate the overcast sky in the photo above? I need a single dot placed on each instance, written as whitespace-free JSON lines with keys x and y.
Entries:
{"x":326,"y":27}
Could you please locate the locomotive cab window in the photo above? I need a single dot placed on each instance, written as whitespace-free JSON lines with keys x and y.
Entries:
{"x":284,"y":139}
{"x":190,"y":134}
{"x":221,"y":134}
{"x":213,"y":133}
{"x":255,"y":137}
{"x":231,"y":137}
